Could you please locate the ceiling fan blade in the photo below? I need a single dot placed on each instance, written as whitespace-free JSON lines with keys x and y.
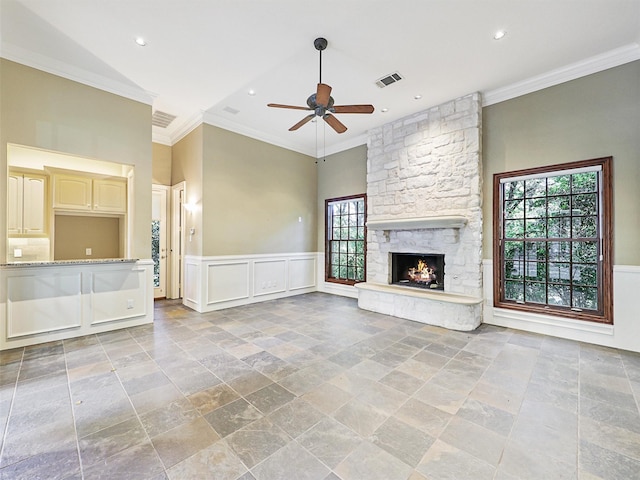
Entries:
{"x":278,"y":105}
{"x":322,"y":94}
{"x":352,"y":108}
{"x":336,"y":124}
{"x":302,"y":122}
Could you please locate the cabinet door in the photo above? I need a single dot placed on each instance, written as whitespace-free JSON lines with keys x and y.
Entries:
{"x":14,"y":204}
{"x":110,"y":196}
{"x":34,"y":219}
{"x":72,"y":193}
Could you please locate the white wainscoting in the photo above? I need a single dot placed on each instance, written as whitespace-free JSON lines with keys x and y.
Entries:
{"x":623,"y":334}
{"x":214,"y":283}
{"x":43,"y":303}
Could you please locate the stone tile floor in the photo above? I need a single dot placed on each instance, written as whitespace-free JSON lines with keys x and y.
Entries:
{"x":311,"y":387}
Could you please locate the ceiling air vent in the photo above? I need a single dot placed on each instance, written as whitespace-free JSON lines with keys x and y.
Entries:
{"x":389,"y":79}
{"x":161,"y":119}
{"x":230,"y":110}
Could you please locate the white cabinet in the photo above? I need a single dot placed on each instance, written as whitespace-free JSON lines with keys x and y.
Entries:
{"x":72,"y":192}
{"x":27,"y":201}
{"x":78,"y":193}
{"x":109,"y":195}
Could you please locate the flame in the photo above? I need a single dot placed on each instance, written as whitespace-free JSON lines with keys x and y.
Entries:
{"x":422,"y":266}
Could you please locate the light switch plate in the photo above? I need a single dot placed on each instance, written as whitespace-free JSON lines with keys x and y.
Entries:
{"x":87,"y":252}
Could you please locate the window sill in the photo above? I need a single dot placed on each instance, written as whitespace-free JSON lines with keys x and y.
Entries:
{"x":553,"y":321}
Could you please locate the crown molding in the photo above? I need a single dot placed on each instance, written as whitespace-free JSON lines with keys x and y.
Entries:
{"x":218,"y":121}
{"x":598,"y":63}
{"x":187,"y":127}
{"x":342,"y":146}
{"x":61,"y":69}
{"x":161,"y":138}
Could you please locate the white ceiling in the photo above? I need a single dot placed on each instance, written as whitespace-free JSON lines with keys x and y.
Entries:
{"x":202,"y":56}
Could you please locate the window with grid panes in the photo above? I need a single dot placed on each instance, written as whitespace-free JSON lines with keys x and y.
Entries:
{"x":553,"y":248}
{"x":346,"y":239}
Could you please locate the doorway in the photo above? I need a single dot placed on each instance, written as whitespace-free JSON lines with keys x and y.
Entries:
{"x":159,"y":240}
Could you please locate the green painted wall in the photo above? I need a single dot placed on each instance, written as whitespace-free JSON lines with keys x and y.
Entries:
{"x":591,"y":117}
{"x":161,"y":173}
{"x":340,"y":175}
{"x":253,"y":195}
{"x":45,"y":111}
{"x":187,"y":155}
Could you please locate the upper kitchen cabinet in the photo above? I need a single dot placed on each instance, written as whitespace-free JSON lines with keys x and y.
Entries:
{"x":84,"y":193}
{"x":27,"y":201}
{"x":110,"y":195}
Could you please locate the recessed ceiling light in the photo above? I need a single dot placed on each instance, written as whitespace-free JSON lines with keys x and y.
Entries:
{"x":251,"y":92}
{"x":384,"y":110}
{"x":417,"y":97}
{"x":141,"y":41}
{"x":499,"y":34}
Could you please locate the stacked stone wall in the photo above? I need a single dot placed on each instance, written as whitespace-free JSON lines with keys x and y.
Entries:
{"x":424,"y":165}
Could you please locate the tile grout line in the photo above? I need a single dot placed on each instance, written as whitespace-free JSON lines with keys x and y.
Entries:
{"x":115,"y":370}
{"x":12,"y":404}
{"x":73,"y":410}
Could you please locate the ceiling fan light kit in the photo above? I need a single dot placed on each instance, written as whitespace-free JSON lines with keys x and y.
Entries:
{"x":321,"y":103}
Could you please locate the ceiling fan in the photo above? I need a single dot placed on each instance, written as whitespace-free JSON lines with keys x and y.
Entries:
{"x":321,"y":102}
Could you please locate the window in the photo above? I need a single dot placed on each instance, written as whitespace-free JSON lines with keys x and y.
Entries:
{"x":553,"y":249}
{"x":346,"y":239}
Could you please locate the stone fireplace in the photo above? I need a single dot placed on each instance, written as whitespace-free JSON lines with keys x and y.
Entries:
{"x":424,"y":195}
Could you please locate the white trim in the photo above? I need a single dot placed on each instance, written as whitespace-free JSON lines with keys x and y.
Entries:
{"x":193,"y":122}
{"x":504,"y":315}
{"x":73,"y":73}
{"x":130,"y":303}
{"x":257,"y":278}
{"x":443,"y":221}
{"x":221,"y":122}
{"x":342,"y":146}
{"x":598,"y":63}
{"x":176,"y":241}
{"x":623,"y":334}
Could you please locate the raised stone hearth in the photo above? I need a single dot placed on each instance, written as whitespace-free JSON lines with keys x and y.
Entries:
{"x":424,"y":195}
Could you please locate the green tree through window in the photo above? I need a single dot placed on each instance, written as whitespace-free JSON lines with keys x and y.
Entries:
{"x":345,"y":239}
{"x":553,"y":240}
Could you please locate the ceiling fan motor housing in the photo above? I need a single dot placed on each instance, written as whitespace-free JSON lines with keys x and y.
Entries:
{"x":320,"y":43}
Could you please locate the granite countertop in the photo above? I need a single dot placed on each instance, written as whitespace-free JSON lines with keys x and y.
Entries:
{"x":68,"y":262}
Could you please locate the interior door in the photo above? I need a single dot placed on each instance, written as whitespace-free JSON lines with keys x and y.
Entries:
{"x":177,"y":240}
{"x":159,"y":240}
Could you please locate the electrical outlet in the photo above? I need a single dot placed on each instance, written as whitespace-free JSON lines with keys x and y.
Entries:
{"x":17,"y":252}
{"x":129,"y":303}
{"x":87,"y":252}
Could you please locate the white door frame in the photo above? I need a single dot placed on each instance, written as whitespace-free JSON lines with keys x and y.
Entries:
{"x":176,"y":251}
{"x":161,"y":211}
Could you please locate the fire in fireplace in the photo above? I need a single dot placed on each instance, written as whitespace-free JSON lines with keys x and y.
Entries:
{"x":418,"y":270}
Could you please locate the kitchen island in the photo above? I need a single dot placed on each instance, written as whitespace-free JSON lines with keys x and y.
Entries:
{"x":47,"y":301}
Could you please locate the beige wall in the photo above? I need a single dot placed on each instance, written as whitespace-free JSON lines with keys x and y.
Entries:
{"x":591,"y":117}
{"x":161,"y":165}
{"x":74,"y":234}
{"x":41,"y":110}
{"x":187,"y":155}
{"x":340,"y":175}
{"x":253,"y":195}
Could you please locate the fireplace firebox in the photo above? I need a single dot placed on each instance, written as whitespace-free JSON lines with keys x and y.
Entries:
{"x":418,"y":270}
